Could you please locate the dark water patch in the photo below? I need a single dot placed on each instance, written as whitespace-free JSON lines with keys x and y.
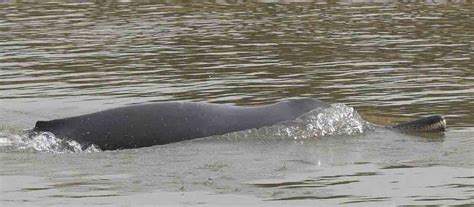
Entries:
{"x":467,"y":177}
{"x":368,"y":200}
{"x":365,"y":174}
{"x":274,"y":185}
{"x":84,"y":196}
{"x":319,"y":182}
{"x":303,"y":186}
{"x":35,"y":189}
{"x":443,"y":199}
{"x":311,"y":198}
{"x":350,"y":175}
{"x":454,"y":185}
{"x":75,"y":184}
{"x":361,"y":163}
{"x":397,"y":167}
{"x":342,"y":182}
{"x":300,"y":161}
{"x":457,"y":185}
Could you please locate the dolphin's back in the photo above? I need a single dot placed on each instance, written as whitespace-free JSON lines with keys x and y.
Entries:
{"x":161,"y":123}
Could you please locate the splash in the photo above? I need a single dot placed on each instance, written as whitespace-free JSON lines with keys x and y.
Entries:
{"x":42,"y":142}
{"x":338,"y":119}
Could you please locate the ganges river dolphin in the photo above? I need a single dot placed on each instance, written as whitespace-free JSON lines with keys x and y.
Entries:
{"x":162,"y":123}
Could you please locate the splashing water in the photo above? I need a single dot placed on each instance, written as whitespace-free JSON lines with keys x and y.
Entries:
{"x":42,"y":142}
{"x":338,"y":119}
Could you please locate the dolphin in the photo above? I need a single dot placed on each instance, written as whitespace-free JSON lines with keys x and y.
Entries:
{"x":146,"y":125}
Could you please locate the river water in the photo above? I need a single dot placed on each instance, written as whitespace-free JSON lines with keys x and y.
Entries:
{"x":391,"y":61}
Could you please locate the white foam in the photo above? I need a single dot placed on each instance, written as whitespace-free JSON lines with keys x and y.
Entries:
{"x":5,"y":142}
{"x":43,"y":142}
{"x":338,"y":119}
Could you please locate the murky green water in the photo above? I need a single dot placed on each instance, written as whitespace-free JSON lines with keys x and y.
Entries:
{"x":391,"y":60}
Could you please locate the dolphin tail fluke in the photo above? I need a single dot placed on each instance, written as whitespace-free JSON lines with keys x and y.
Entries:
{"x":434,"y":123}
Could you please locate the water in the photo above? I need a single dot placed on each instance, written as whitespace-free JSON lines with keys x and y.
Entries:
{"x":392,"y":61}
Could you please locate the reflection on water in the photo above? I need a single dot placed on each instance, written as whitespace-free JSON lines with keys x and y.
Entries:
{"x":411,"y":60}
{"x":391,"y":60}
{"x":402,"y":184}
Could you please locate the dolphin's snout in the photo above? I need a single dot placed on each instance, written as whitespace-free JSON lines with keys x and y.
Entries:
{"x":434,"y":123}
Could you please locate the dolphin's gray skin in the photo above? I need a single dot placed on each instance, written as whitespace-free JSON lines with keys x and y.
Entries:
{"x":161,"y":123}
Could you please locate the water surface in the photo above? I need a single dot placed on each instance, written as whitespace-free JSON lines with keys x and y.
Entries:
{"x":392,"y":61}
